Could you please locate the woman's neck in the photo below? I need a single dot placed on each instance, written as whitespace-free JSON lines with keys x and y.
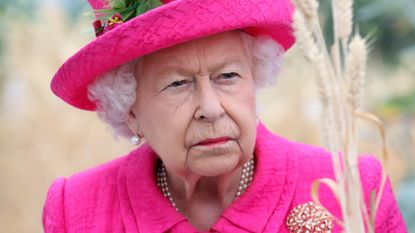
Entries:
{"x":221,"y":188}
{"x":202,"y":199}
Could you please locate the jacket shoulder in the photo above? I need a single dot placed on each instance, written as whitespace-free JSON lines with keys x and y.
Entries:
{"x":83,"y":198}
{"x":52,"y":217}
{"x":104,"y":174}
{"x":313,"y":161}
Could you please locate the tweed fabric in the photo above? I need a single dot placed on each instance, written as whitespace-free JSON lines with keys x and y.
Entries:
{"x":165,"y":26}
{"x":122,"y":195}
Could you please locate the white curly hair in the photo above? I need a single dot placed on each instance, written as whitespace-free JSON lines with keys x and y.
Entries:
{"x":114,"y":93}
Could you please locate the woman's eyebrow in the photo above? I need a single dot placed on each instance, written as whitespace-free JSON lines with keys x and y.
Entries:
{"x":179,"y":67}
{"x":238,"y":63}
{"x":173,"y":69}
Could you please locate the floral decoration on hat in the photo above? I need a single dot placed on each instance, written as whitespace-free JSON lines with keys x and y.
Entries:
{"x":119,"y":11}
{"x":310,"y":218}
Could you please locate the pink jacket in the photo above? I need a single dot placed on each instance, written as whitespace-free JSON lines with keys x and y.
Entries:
{"x":122,"y":195}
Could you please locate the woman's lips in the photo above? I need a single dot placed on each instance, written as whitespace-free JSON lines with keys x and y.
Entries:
{"x":213,"y":141}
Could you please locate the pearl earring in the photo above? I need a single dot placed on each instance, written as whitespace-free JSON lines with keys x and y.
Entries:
{"x":135,"y":139}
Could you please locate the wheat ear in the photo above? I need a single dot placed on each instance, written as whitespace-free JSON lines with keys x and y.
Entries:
{"x":355,"y":70}
{"x":305,"y":38}
{"x":308,"y":7}
{"x":344,"y":18}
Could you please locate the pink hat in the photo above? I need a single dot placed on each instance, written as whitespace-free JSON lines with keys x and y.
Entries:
{"x":164,"y":26}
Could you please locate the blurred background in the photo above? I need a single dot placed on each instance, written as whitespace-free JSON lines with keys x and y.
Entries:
{"x":42,"y":138}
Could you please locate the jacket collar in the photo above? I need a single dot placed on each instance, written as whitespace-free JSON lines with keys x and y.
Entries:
{"x":272,"y":188}
{"x":270,"y":192}
{"x":152,"y":212}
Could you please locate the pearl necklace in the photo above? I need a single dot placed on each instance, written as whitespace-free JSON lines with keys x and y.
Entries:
{"x":245,"y":181}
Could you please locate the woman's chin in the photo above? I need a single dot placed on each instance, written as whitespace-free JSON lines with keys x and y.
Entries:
{"x":215,"y":165}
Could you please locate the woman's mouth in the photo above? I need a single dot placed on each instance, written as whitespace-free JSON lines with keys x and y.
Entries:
{"x":214,"y":141}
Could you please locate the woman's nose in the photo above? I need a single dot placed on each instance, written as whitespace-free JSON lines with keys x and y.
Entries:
{"x":209,"y":107}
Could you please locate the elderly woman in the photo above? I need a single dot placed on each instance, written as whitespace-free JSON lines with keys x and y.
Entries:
{"x":180,"y":80}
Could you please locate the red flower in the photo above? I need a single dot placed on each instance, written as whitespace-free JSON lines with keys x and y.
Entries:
{"x":113,"y":22}
{"x":99,"y":30}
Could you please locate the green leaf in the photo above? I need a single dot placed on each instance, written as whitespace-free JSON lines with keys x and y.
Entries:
{"x":128,"y":15}
{"x":137,"y":13}
{"x":106,"y":11}
{"x":128,"y":9}
{"x":118,"y":4}
{"x":154,"y":3}
{"x":130,"y":2}
{"x":140,"y":9}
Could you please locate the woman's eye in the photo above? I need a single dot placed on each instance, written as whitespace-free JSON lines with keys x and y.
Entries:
{"x":178,"y":83}
{"x":229,"y":75}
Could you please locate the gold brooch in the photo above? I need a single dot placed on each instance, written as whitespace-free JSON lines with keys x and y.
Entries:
{"x":309,"y":218}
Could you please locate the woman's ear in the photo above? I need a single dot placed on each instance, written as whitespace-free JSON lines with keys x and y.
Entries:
{"x":133,"y":124}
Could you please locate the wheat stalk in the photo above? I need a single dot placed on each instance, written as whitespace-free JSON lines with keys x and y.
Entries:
{"x":313,"y":52}
{"x":340,"y":82}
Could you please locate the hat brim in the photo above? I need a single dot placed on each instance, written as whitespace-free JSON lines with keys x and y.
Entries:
{"x":165,"y":26}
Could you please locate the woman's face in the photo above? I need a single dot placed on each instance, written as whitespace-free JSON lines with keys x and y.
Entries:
{"x":196,"y":105}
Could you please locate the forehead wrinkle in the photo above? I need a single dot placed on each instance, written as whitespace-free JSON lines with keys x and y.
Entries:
{"x":200,"y":57}
{"x":176,"y":65}
{"x":228,"y":57}
{"x":213,"y":62}
{"x":202,"y":63}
